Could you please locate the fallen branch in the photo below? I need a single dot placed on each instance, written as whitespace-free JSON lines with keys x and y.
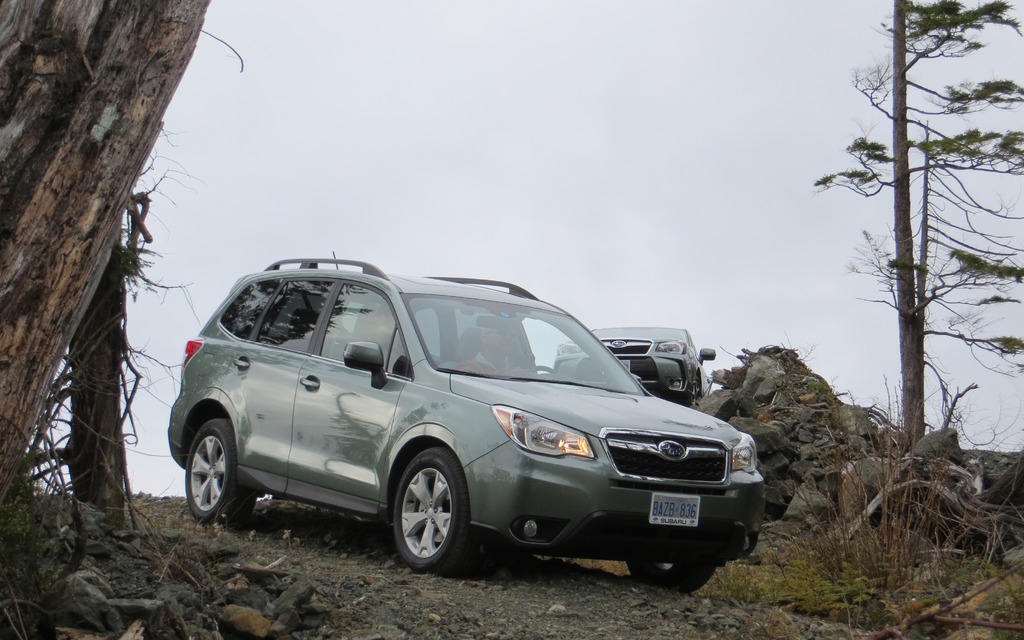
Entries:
{"x":977,"y":622}
{"x":936,"y":612}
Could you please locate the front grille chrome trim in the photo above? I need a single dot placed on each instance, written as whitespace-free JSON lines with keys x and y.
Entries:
{"x":655,"y":456}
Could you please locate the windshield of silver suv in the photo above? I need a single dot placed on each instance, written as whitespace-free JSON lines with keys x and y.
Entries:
{"x":508,"y":341}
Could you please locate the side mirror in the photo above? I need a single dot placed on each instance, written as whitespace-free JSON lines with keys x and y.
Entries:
{"x":367,"y":356}
{"x":707,"y":354}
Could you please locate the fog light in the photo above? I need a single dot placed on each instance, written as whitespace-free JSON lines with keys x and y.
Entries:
{"x":675,"y":384}
{"x":530,"y":528}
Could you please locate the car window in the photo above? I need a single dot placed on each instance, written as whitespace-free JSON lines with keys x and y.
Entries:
{"x":359,"y":315}
{"x":498,"y":339}
{"x":293,"y":314}
{"x":429,"y":326}
{"x":240,"y":317}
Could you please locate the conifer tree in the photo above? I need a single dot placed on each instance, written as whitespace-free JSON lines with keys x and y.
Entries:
{"x":952,"y":256}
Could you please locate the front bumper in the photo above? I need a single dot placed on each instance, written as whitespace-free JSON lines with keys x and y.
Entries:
{"x":586,"y":509}
{"x":657,"y":373}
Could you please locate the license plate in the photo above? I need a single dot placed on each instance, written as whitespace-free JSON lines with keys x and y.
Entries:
{"x":674,"y":509}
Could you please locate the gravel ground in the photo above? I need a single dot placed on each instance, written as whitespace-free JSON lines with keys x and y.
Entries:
{"x":362,"y":591}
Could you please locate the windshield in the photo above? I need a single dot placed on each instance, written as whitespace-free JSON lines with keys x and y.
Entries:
{"x":507,"y":341}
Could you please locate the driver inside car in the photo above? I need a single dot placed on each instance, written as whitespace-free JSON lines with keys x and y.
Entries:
{"x":497,"y":346}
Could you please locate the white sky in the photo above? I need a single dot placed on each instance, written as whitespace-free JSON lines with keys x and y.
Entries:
{"x":636,"y":163}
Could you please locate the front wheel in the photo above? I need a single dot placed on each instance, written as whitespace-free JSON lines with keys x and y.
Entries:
{"x":211,"y":476}
{"x":431,"y":516}
{"x":687,"y":577}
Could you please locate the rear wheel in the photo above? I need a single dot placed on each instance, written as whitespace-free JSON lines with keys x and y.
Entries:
{"x":211,"y":476}
{"x":687,"y":577}
{"x":431,"y":516}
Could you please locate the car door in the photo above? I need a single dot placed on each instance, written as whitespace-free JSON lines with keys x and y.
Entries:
{"x":268,"y":371}
{"x":341,"y":424}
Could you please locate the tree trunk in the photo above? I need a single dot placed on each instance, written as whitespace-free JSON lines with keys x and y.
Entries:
{"x":83,"y":87}
{"x":911,"y":317}
{"x":95,"y":455}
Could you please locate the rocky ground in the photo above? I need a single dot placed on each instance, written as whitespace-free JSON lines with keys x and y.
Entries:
{"x":307,"y":573}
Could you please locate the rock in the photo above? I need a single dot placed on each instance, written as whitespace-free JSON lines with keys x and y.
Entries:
{"x":1014,"y":557}
{"x":148,"y":611}
{"x":221,"y":547}
{"x":727,"y":403}
{"x":856,"y":421}
{"x":79,"y":599}
{"x":298,"y":594}
{"x":808,"y":506}
{"x":245,"y":620}
{"x":775,"y":502}
{"x":285,"y":623}
{"x":97,"y":549}
{"x":769,"y":437}
{"x":860,"y":483}
{"x":251,"y":597}
{"x":763,"y":379}
{"x":774,"y":465}
{"x":944,"y":444}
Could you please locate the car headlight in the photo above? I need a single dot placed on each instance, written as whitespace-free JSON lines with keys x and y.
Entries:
{"x":541,"y":435}
{"x":744,"y":455}
{"x":673,"y":346}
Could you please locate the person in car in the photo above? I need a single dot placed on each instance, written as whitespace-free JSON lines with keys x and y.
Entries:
{"x":493,"y":356}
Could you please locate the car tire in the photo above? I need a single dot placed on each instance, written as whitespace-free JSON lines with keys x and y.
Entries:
{"x":686,"y":577}
{"x":211,"y":477}
{"x":431,"y":516}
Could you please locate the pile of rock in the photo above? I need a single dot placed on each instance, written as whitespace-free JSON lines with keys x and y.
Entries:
{"x":801,"y":427}
{"x":816,"y":451}
{"x":168,"y":584}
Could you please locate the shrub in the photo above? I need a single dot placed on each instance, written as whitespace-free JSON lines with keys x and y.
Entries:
{"x":24,"y":569}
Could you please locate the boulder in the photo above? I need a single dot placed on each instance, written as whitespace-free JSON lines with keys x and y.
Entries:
{"x":944,"y":444}
{"x":81,"y":600}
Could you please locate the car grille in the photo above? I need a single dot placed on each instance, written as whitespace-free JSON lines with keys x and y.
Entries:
{"x":628,"y":347}
{"x":641,"y":454}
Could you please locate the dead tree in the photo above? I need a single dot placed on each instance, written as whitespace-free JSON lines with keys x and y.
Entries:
{"x":84,"y":85}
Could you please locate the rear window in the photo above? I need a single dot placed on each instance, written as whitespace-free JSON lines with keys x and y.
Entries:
{"x":241,"y":316}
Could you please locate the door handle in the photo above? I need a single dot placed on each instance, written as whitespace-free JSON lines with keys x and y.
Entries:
{"x":242,"y":363}
{"x":312,"y":383}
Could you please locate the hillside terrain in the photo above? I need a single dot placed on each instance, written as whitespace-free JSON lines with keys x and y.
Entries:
{"x":306,"y":573}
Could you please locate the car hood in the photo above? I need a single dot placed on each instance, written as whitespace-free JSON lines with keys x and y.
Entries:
{"x":640,"y":333}
{"x":591,"y":410}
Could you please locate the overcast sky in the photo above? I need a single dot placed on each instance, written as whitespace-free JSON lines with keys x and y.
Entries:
{"x":636,"y":163}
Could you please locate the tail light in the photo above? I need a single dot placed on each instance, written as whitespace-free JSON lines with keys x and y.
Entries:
{"x":192,"y":347}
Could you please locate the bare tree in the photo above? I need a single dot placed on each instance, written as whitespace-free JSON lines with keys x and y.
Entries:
{"x":83,"y":88}
{"x":951,"y":260}
{"x":101,"y":377}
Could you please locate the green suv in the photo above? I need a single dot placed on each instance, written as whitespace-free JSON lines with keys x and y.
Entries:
{"x":432,"y":404}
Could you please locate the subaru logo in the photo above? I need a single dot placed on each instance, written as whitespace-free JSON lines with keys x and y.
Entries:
{"x":672,"y":450}
{"x":618,"y":344}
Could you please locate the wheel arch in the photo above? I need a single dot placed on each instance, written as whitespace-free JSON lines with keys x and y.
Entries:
{"x":200,"y":413}
{"x":406,"y":452}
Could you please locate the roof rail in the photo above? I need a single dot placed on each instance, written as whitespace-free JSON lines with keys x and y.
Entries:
{"x":514,"y":289}
{"x":314,"y":263}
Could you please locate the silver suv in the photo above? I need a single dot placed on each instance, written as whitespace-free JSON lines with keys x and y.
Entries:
{"x":433,"y":405}
{"x":665,"y":360}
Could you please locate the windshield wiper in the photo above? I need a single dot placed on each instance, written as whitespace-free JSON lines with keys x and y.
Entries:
{"x":571,"y":383}
{"x":545,"y":379}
